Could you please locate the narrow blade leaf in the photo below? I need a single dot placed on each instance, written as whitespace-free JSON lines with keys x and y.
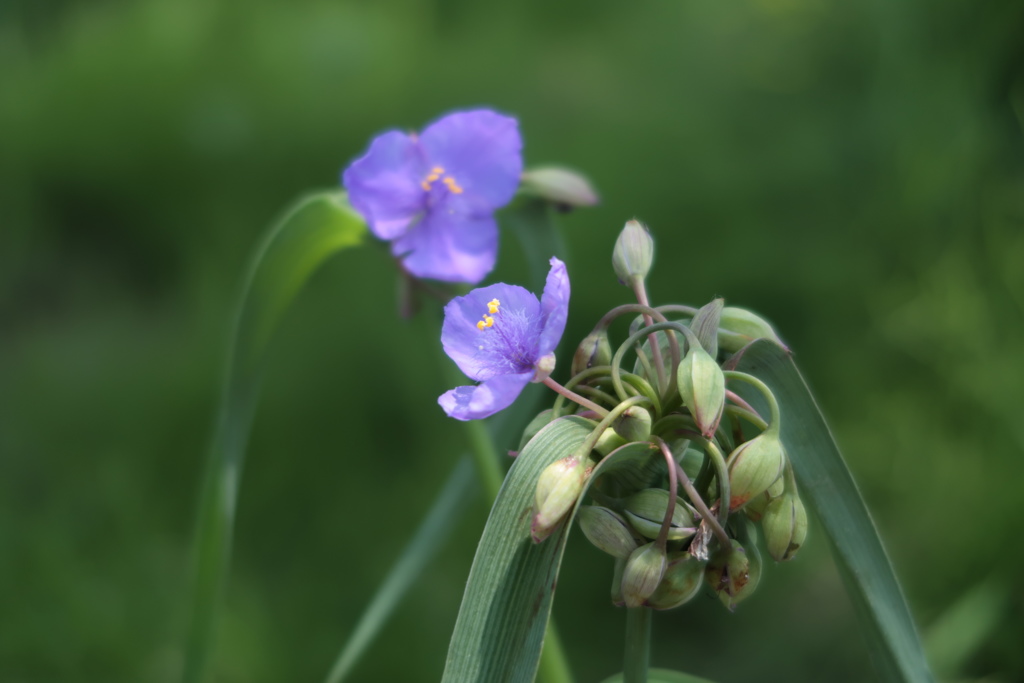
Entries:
{"x":504,"y":613}
{"x":827,"y":488}
{"x":314,"y":229}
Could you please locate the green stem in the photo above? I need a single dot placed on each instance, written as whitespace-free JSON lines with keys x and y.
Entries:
{"x":773,"y":405}
{"x":573,"y":396}
{"x":638,"y":645}
{"x":641,"y":296}
{"x":633,"y":338}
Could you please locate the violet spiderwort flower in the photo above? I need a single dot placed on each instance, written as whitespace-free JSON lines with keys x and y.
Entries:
{"x":502,"y":337}
{"x":433,"y":196}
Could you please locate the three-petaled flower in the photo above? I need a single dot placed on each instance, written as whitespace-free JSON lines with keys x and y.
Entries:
{"x":433,"y":196}
{"x":504,"y":338}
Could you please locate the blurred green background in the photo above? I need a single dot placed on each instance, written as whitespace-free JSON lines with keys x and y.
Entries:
{"x":853,"y":171}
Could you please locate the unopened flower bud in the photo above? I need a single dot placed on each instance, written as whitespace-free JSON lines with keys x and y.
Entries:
{"x":643,"y":572}
{"x":733,"y":573}
{"x":634,"y":424}
{"x":645,"y":511}
{"x":558,"y":488}
{"x":606,"y":530}
{"x":702,"y":388}
{"x":754,"y":509}
{"x":739,"y":327}
{"x":543,"y":368}
{"x":564,"y":188}
{"x":785,"y":526}
{"x":633,"y":253}
{"x":608,"y":442}
{"x":538,"y":423}
{"x":683,"y":576}
{"x":754,"y":466}
{"x":595,"y":349}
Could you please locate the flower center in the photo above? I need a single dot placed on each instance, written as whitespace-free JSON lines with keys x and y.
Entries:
{"x":509,"y":343}
{"x":488,"y":321}
{"x":437,"y":173}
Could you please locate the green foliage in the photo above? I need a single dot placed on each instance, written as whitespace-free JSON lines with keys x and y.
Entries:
{"x":851,"y":171}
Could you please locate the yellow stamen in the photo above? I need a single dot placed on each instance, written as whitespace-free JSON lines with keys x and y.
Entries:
{"x":488,"y":321}
{"x":437,"y":169}
{"x":425,"y":185}
{"x":492,"y":306}
{"x":480,"y":326}
{"x":432,"y":177}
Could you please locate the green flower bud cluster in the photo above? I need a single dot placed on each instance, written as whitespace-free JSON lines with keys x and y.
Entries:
{"x":683,"y":512}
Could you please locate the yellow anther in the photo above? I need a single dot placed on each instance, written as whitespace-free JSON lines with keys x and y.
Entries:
{"x":425,"y":185}
{"x":432,"y":177}
{"x":480,"y":326}
{"x":492,"y":306}
{"x":488,"y":321}
{"x":437,"y":170}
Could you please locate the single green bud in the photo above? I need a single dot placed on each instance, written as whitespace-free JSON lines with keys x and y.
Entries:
{"x":595,"y":349}
{"x":683,"y":577}
{"x":538,"y":423}
{"x":645,"y":511}
{"x":754,"y":567}
{"x":634,"y":424}
{"x":732,"y":574}
{"x":608,"y":442}
{"x":633,"y":253}
{"x":705,"y":325}
{"x":785,"y":526}
{"x":753,"y":467}
{"x":702,"y":388}
{"x":558,"y":488}
{"x":738,"y":327}
{"x":643,"y":572}
{"x":606,"y":530}
{"x":560,"y":186}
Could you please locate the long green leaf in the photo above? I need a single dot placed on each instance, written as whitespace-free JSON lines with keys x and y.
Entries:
{"x":505,"y":609}
{"x":828,"y":489}
{"x":314,"y":229}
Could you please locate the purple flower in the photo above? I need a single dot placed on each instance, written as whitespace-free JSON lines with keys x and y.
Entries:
{"x":502,"y":337}
{"x":433,"y":196}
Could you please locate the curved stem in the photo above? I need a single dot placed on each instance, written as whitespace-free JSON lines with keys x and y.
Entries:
{"x":573,"y":396}
{"x":595,"y":393}
{"x":638,"y":645}
{"x":611,"y":315}
{"x":677,"y":308}
{"x":717,"y":527}
{"x":641,"y":295}
{"x":633,"y":338}
{"x":773,"y":405}
{"x":738,"y":400}
{"x":752,"y":418}
{"x":670,"y":509}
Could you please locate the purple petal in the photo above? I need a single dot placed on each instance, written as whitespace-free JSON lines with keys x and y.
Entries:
{"x":554,"y":306}
{"x":483,"y":400}
{"x":449,"y":246}
{"x":384,"y":184}
{"x":480,"y":354}
{"x":481,"y":150}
